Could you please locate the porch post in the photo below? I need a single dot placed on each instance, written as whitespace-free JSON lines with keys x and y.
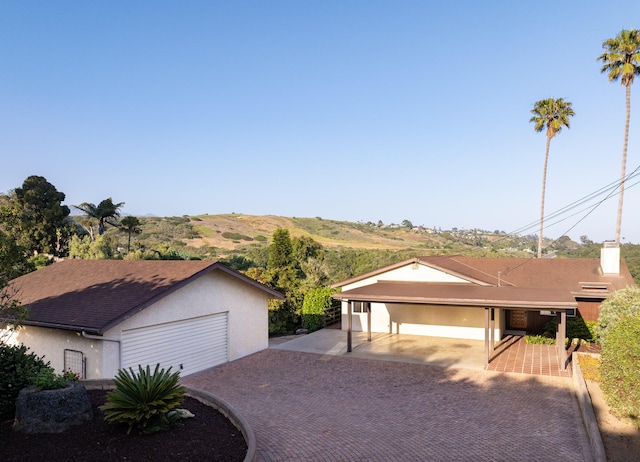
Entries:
{"x":493,"y":330}
{"x":349,"y":311}
{"x":368,"y":321}
{"x":486,"y":336}
{"x":561,"y":334}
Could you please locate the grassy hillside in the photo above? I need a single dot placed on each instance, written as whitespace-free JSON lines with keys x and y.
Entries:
{"x":223,"y":236}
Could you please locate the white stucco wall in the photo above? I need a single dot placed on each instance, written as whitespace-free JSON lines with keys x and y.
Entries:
{"x":431,"y":320}
{"x":215,"y":292}
{"x":51,"y":344}
{"x":411,"y":272}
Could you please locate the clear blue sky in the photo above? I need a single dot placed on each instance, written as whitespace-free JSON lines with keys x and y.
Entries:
{"x":348,"y":110}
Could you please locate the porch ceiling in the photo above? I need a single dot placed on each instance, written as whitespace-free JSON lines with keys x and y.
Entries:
{"x":461,"y":295}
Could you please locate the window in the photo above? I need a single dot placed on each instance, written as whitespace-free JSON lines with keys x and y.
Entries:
{"x":361,"y":307}
{"x":571,"y":313}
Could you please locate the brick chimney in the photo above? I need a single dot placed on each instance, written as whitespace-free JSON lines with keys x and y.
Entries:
{"x":610,"y":258}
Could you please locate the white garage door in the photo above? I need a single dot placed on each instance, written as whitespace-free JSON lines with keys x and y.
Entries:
{"x":186,"y":346}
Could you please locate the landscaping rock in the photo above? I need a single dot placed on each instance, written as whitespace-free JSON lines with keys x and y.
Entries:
{"x":52,"y":411}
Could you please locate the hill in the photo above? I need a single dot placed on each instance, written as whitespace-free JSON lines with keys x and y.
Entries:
{"x":222,"y":236}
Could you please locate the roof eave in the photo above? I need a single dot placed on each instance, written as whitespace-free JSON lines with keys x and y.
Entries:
{"x":532,"y":305}
{"x":69,"y":327}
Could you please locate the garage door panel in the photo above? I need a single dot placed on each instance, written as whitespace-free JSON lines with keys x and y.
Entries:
{"x":187,"y":346}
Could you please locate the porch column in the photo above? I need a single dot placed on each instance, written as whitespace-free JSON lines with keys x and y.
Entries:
{"x":349,"y":311}
{"x":493,"y":330}
{"x":486,"y":336}
{"x":368,"y":321}
{"x":561,"y":334}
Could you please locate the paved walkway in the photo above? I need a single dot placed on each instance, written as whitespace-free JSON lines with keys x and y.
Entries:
{"x":319,"y":407}
{"x":515,"y":355}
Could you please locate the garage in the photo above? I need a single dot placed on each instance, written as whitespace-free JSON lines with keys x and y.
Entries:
{"x":187,"y":346}
{"x":118,"y":314}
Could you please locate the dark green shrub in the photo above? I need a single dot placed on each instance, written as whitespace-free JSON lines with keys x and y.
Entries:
{"x":622,"y":303}
{"x":576,"y":328}
{"x":620,"y":367}
{"x":236,"y":236}
{"x":316,"y":301}
{"x":47,"y":379}
{"x":142,"y":401}
{"x":18,"y":369}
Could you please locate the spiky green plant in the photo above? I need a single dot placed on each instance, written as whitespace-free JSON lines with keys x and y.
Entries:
{"x":141,"y":401}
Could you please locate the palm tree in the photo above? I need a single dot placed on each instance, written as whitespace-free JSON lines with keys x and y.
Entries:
{"x":106,"y":212}
{"x":621,"y":61}
{"x":130,"y":225}
{"x":552,"y":114}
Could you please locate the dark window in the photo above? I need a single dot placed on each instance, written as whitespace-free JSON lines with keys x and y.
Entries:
{"x":361,"y":307}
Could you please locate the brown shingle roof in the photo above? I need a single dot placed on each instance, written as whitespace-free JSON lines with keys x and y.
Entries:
{"x":571,"y":274}
{"x":577,"y":275}
{"x":95,"y":295}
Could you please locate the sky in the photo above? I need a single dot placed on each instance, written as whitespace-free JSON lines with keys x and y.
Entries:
{"x":340,"y":109}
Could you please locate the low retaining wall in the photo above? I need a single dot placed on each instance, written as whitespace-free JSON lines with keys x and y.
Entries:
{"x":206,"y":398}
{"x":586,"y":409}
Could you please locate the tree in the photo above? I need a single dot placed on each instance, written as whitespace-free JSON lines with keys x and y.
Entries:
{"x":86,"y":249}
{"x":106,"y":212}
{"x":34,"y":216}
{"x":552,"y":114}
{"x":130,"y":225}
{"x":407,"y":224}
{"x":621,"y":61}
{"x":13,"y":263}
{"x":280,"y":250}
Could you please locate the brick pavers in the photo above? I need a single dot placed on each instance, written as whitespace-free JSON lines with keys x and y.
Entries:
{"x":312,"y":407}
{"x":515,"y":355}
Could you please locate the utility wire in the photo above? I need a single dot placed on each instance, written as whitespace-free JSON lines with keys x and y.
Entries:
{"x":591,"y":210}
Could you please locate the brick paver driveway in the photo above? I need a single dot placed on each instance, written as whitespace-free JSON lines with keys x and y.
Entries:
{"x":305,"y":406}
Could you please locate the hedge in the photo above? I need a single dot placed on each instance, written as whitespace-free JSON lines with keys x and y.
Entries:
{"x":620,"y":368}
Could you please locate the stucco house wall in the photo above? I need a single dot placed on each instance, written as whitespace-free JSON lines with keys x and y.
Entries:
{"x":434,"y":321}
{"x":51,"y":344}
{"x":411,"y":273}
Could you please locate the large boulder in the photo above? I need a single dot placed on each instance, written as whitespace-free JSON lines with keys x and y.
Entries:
{"x":52,"y":411}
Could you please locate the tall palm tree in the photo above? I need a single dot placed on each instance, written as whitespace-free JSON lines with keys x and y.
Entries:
{"x":621,"y":61}
{"x":552,"y":114}
{"x":130,"y":225}
{"x":106,"y":212}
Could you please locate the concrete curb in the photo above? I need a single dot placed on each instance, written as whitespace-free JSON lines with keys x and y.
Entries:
{"x":586,"y":409}
{"x":206,"y":398}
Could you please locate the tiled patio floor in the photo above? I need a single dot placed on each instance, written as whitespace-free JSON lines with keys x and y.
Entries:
{"x":513,"y":354}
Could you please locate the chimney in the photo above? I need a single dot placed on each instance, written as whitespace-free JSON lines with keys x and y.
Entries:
{"x":610,"y":258}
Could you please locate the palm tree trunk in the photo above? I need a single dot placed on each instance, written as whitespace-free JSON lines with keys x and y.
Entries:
{"x":544,"y":187}
{"x":623,"y":173}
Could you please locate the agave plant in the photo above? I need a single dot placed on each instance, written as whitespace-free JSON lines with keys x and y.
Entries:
{"x":142,"y":401}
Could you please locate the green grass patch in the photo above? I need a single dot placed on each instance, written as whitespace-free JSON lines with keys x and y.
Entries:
{"x":236,"y":236}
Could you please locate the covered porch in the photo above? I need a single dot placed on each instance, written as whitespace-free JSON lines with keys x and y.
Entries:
{"x":448,"y":296}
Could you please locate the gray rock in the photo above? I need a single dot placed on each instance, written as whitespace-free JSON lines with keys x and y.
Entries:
{"x":52,"y":411}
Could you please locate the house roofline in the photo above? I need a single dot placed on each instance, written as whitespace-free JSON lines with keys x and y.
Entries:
{"x":178,"y":285}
